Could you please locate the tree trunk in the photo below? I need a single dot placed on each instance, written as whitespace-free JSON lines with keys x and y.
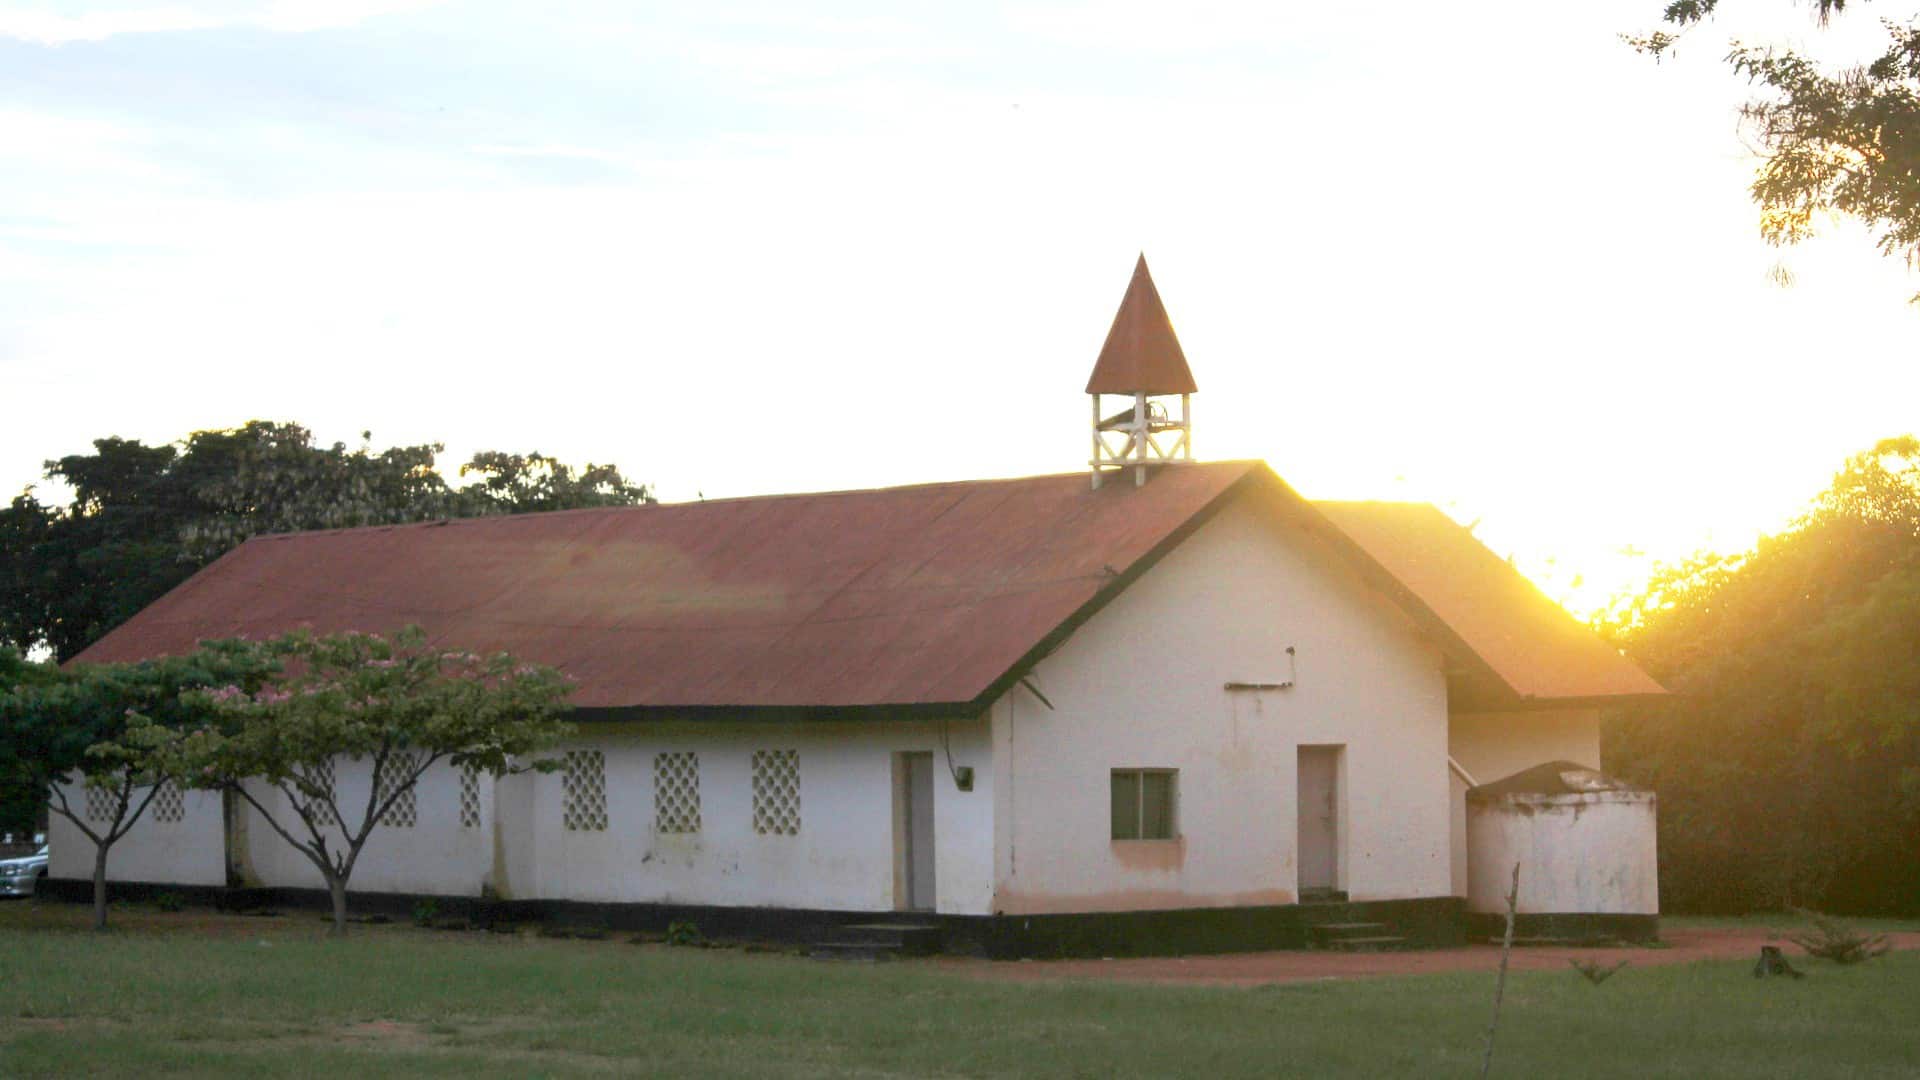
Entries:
{"x":100,"y":886}
{"x":337,"y":885}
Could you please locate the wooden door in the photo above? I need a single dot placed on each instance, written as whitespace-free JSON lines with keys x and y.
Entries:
{"x":913,"y":816}
{"x":1319,"y":817}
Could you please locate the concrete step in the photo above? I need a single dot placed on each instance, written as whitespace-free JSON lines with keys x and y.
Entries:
{"x":1337,"y":931}
{"x":1378,"y":943}
{"x":852,"y":951}
{"x":1323,"y":896}
{"x":911,"y":939}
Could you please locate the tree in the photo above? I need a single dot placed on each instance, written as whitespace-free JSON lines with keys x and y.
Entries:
{"x":395,"y":703}
{"x":115,"y":728}
{"x":143,"y":518}
{"x":525,"y":483}
{"x":25,"y":586}
{"x":1835,"y":139}
{"x":1788,"y":762}
{"x":21,"y":801}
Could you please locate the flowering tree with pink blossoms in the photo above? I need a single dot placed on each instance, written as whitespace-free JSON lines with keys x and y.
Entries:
{"x":395,"y":702}
{"x":97,"y":742}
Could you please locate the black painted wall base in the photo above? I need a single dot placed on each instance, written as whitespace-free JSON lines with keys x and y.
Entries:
{"x":1569,"y":927}
{"x":1429,"y":922}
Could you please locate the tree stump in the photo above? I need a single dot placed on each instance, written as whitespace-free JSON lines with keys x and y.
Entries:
{"x":1773,"y":962}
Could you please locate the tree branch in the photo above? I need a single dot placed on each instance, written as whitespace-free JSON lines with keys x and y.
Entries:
{"x":117,"y":831}
{"x":65,"y":810}
{"x":317,"y":857}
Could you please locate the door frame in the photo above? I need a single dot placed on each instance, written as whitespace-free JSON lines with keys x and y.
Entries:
{"x":914,"y":834}
{"x":1338,"y":798}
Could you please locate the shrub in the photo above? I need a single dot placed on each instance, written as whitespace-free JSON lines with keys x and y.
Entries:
{"x":1595,"y":972}
{"x":424,"y":912}
{"x":684,"y":933}
{"x":1833,"y":939}
{"x":169,"y":901}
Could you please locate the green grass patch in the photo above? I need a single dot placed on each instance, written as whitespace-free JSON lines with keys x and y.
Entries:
{"x":1784,"y":921}
{"x":196,"y":995}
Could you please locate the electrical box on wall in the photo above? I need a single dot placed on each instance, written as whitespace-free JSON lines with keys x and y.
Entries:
{"x":963,"y":777}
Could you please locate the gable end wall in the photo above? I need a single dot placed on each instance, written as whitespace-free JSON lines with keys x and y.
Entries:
{"x":1142,"y":684}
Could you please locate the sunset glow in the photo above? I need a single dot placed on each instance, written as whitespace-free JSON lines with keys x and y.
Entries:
{"x":1506,"y":266}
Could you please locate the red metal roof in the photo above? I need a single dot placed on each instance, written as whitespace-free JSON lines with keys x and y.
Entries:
{"x":925,"y":597}
{"x":1530,"y":642}
{"x":1142,"y":355}
{"x":901,"y":596}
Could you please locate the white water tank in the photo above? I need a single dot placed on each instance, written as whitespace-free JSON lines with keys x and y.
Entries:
{"x":1586,"y":848}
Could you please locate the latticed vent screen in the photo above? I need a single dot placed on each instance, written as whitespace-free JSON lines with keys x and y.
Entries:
{"x":676,"y":792}
{"x":168,"y":805}
{"x":584,"y":806}
{"x":317,"y":809}
{"x":469,"y":798}
{"x":100,"y":804}
{"x":405,"y":810}
{"x":776,"y":792}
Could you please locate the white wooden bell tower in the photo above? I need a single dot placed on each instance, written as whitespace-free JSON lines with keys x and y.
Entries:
{"x":1143,"y":364}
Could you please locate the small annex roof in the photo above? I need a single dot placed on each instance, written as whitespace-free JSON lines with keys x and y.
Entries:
{"x":932,"y":599}
{"x":1554,"y":778}
{"x":1141,"y":355}
{"x":1538,"y":650}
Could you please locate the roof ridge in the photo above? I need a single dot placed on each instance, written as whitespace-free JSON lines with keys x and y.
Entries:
{"x":929,"y":485}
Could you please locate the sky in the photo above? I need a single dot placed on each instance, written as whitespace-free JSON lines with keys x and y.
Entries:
{"x":1486,"y":258}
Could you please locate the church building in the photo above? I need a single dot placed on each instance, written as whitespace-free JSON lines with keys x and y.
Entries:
{"x":1153,"y":704}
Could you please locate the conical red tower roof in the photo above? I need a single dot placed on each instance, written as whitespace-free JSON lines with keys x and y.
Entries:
{"x":1141,"y":356}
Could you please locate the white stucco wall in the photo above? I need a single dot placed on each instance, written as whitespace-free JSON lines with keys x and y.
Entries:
{"x":842,"y":859}
{"x":1142,"y":684}
{"x":191,"y":851}
{"x":1494,"y":746}
{"x":435,"y":855}
{"x":1578,"y":854}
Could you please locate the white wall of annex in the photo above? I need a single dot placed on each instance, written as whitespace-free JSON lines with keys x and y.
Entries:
{"x":1492,"y":746}
{"x":1143,"y":684}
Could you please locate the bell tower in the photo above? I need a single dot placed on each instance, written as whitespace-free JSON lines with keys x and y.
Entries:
{"x":1142,"y":363}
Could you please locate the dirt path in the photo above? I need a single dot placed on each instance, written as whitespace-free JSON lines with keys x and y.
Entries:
{"x":1680,"y":946}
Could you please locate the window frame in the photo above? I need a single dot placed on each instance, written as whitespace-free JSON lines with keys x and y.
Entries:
{"x":1138,"y":776}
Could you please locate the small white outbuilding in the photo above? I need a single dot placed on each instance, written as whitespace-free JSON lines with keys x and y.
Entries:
{"x":1584,"y":844}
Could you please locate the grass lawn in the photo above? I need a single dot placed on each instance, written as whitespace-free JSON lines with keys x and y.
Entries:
{"x":1784,"y":921}
{"x":198,"y":994}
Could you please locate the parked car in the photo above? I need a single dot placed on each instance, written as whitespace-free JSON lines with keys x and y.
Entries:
{"x":19,"y":877}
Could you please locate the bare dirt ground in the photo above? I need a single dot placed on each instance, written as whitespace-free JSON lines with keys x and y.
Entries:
{"x":1679,"y":945}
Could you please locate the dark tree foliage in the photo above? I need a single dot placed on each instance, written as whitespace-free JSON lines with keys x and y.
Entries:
{"x":143,"y":518}
{"x":1836,"y":139}
{"x":525,"y":483}
{"x":23,"y":806}
{"x":1788,"y":762}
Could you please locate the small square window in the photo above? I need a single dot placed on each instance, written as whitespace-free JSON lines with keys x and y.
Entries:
{"x":1143,"y":801}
